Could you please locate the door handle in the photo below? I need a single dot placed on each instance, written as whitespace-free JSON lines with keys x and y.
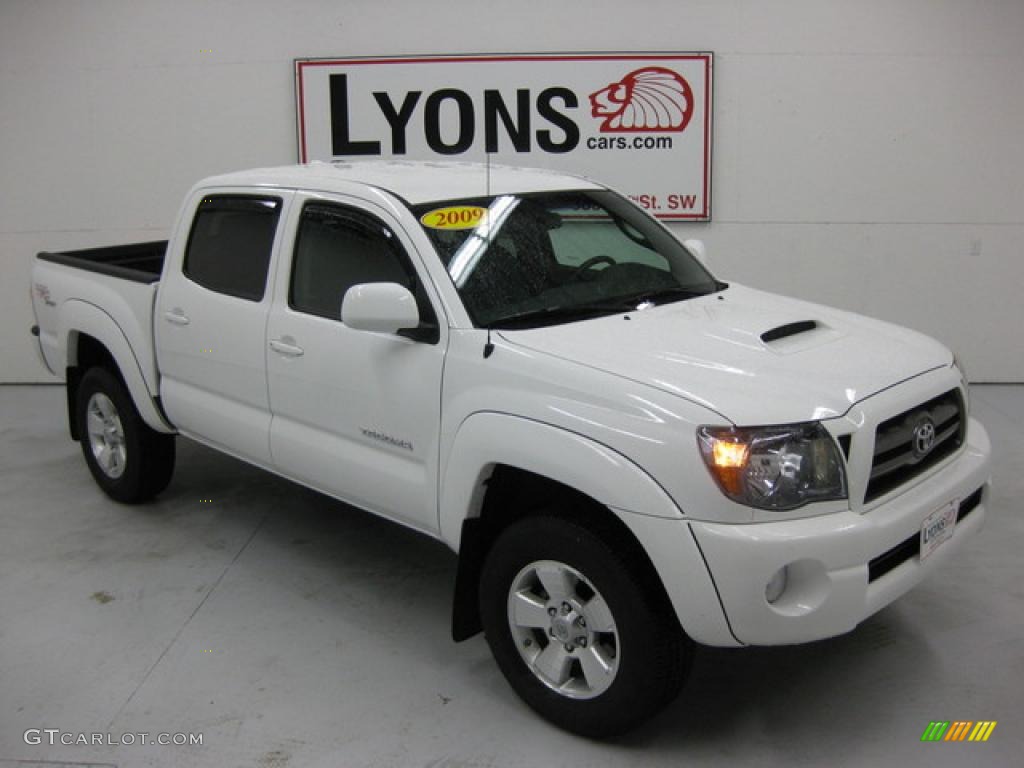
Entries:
{"x":285,"y":347}
{"x":176,"y":316}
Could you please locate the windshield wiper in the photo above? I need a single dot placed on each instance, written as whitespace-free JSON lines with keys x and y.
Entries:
{"x":567,"y":312}
{"x":612,"y":306}
{"x":663,"y":296}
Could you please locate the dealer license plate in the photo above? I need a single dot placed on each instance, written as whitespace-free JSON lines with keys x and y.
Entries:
{"x":938,"y":528}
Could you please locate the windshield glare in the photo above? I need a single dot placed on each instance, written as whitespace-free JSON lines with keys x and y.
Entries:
{"x":552,"y":257}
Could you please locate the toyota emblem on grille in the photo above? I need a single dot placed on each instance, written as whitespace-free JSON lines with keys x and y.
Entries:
{"x":924,"y":438}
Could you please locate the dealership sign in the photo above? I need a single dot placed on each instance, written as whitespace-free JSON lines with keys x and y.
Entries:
{"x":638,"y":122}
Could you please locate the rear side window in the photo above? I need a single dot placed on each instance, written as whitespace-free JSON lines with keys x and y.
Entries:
{"x":229,"y":247}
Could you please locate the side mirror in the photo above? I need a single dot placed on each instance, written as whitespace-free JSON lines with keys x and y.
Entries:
{"x":696,"y":247}
{"x":379,"y":308}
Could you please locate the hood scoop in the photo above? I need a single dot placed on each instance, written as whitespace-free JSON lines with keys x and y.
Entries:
{"x":787,"y":330}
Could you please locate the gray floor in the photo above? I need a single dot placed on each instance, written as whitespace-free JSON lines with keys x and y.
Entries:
{"x":291,"y":630}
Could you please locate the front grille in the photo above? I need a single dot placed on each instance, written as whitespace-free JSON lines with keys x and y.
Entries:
{"x":968,"y":505}
{"x":911,"y":546}
{"x":844,"y":443}
{"x":896,"y":556}
{"x":898,"y":460}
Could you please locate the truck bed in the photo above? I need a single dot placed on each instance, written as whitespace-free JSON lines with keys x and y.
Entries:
{"x":140,"y":262}
{"x":108,"y":293}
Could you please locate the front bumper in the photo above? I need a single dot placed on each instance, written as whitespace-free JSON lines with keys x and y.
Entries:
{"x":829,"y":590}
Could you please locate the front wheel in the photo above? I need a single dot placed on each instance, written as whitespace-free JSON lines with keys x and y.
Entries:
{"x":577,"y":631}
{"x":129,"y":460}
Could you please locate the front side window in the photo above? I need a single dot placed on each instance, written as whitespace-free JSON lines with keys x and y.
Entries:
{"x":550,"y":257}
{"x":338,"y":247}
{"x":230,"y":243}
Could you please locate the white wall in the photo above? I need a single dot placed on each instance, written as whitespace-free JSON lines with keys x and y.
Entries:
{"x":867,"y":154}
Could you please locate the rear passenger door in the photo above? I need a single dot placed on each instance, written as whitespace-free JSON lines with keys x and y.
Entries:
{"x":211,"y":319}
{"x":355,"y":414}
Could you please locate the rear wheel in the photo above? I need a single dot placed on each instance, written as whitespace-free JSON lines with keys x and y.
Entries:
{"x":577,"y":631}
{"x":130,"y":461}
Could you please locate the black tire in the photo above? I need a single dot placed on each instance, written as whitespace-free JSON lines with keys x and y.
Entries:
{"x":148,"y":455}
{"x":649,"y":649}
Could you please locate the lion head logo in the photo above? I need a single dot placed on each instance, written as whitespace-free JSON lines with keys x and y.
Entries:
{"x":648,"y":99}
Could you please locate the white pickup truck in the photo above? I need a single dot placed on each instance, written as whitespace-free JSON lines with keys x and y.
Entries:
{"x":628,"y":455}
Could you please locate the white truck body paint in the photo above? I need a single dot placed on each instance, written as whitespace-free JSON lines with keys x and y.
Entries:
{"x":412,"y":430}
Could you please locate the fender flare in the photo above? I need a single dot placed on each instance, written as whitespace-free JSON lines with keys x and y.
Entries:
{"x":486,"y":439}
{"x":78,"y":316}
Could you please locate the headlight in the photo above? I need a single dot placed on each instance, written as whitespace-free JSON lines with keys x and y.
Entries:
{"x":774,"y":467}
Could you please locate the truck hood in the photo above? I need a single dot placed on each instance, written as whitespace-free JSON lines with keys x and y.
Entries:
{"x":753,"y":357}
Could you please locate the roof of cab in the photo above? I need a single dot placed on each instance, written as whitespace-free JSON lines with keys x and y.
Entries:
{"x":414,"y":182}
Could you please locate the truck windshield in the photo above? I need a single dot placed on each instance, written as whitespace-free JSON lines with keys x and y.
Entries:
{"x":527,"y":260}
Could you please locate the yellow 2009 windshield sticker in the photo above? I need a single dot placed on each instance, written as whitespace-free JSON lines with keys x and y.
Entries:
{"x":454,"y":217}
